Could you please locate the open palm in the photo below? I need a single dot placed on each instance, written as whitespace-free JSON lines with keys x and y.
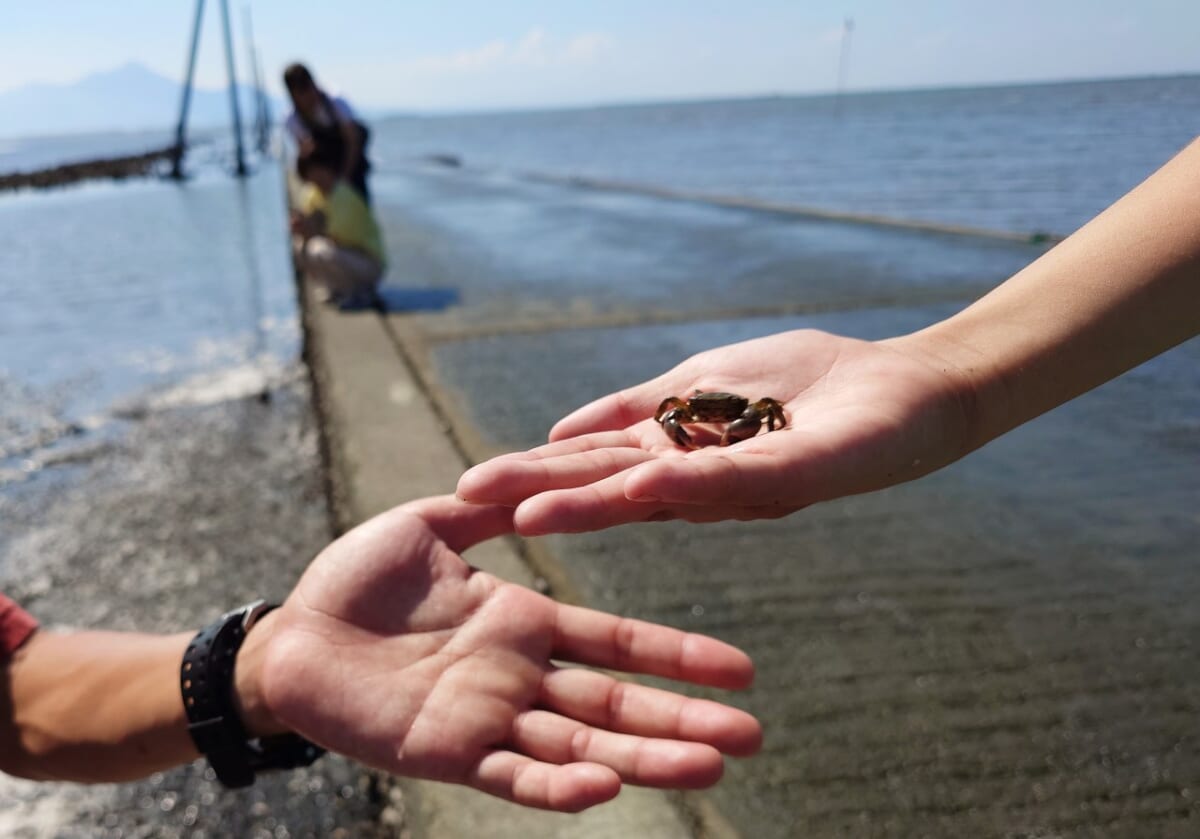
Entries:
{"x":394,"y":651}
{"x":861,"y":416}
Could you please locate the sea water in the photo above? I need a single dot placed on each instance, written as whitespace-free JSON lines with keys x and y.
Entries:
{"x":110,"y":290}
{"x":1019,"y":158}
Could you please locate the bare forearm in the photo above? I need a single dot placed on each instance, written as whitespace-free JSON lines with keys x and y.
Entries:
{"x":1121,"y":290}
{"x":106,"y":706}
{"x":96,"y":706}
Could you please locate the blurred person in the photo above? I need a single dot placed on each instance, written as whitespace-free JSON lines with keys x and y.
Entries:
{"x":338,"y":242}
{"x":864,"y":415}
{"x":393,"y":651}
{"x":328,"y":126}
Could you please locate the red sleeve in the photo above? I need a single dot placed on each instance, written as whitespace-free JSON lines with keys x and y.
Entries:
{"x":16,"y":625}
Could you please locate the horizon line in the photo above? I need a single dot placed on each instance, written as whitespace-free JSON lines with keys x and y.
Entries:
{"x":381,"y":113}
{"x":394,"y":111}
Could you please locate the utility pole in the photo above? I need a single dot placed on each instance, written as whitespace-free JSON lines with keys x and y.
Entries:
{"x":233,"y":93}
{"x":181,"y":126}
{"x":843,"y":61}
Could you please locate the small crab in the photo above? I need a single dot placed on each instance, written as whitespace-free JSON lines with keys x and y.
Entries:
{"x":744,"y":419}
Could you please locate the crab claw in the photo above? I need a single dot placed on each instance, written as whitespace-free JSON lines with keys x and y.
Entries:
{"x":751,"y":420}
{"x":672,"y":404}
{"x":742,"y":428}
{"x":773,"y":412}
{"x":671,"y":425}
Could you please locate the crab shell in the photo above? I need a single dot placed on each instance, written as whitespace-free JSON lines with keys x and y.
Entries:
{"x":744,"y":419}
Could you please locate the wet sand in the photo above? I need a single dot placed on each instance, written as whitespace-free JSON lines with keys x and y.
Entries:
{"x":194,"y":511}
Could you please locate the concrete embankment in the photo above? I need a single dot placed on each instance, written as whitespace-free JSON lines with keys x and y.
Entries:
{"x":759,"y":205}
{"x":117,"y":168}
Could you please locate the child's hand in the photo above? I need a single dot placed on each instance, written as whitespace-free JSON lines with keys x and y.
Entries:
{"x":860,"y":416}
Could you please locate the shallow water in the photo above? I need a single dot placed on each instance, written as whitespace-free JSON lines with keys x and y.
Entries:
{"x":115,"y":290}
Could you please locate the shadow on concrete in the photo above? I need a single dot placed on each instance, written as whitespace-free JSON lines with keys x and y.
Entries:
{"x":396,"y":299}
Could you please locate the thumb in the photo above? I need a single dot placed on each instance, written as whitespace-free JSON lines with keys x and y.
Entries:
{"x":613,"y":412}
{"x":459,"y":524}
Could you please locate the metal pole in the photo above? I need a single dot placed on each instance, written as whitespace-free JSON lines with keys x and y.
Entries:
{"x":233,"y":93}
{"x":260,"y":126}
{"x":181,"y":126}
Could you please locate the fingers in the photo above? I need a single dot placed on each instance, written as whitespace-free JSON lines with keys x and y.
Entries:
{"x":592,"y":507}
{"x":603,"y":640}
{"x":521,"y":779}
{"x":458,"y":524}
{"x":604,"y":504}
{"x":604,"y":702}
{"x":766,"y":477}
{"x":511,"y":479}
{"x":615,"y":411}
{"x":644,"y":761}
{"x":610,"y":478}
{"x":753,"y":476}
{"x":562,"y":761}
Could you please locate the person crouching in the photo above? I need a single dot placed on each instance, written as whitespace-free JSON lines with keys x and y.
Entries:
{"x":338,"y":243}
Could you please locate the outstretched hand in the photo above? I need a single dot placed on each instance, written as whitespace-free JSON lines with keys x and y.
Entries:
{"x":861,"y":416}
{"x":394,"y":651}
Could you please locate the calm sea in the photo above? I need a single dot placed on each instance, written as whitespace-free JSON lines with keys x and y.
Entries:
{"x":1022,"y":158}
{"x":114,"y":291}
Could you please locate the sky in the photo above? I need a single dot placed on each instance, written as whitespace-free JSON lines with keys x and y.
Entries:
{"x":419,"y":55}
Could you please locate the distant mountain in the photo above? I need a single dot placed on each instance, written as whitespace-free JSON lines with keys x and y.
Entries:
{"x":130,"y":97}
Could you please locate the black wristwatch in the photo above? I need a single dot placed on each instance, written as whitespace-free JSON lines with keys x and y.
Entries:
{"x":206,"y":679}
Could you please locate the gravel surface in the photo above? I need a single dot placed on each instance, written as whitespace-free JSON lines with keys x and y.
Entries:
{"x":193,"y":511}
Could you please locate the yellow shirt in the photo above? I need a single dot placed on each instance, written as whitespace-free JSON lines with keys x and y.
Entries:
{"x":348,"y":219}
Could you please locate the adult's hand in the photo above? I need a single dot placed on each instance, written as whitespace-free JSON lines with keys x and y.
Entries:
{"x":394,"y":651}
{"x":860,"y":416}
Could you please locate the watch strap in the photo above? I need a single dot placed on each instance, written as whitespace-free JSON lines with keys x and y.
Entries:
{"x":207,"y":683}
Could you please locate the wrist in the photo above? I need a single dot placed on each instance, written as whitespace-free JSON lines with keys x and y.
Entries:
{"x":229,"y":719}
{"x":249,"y":699}
{"x":970,"y":380}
